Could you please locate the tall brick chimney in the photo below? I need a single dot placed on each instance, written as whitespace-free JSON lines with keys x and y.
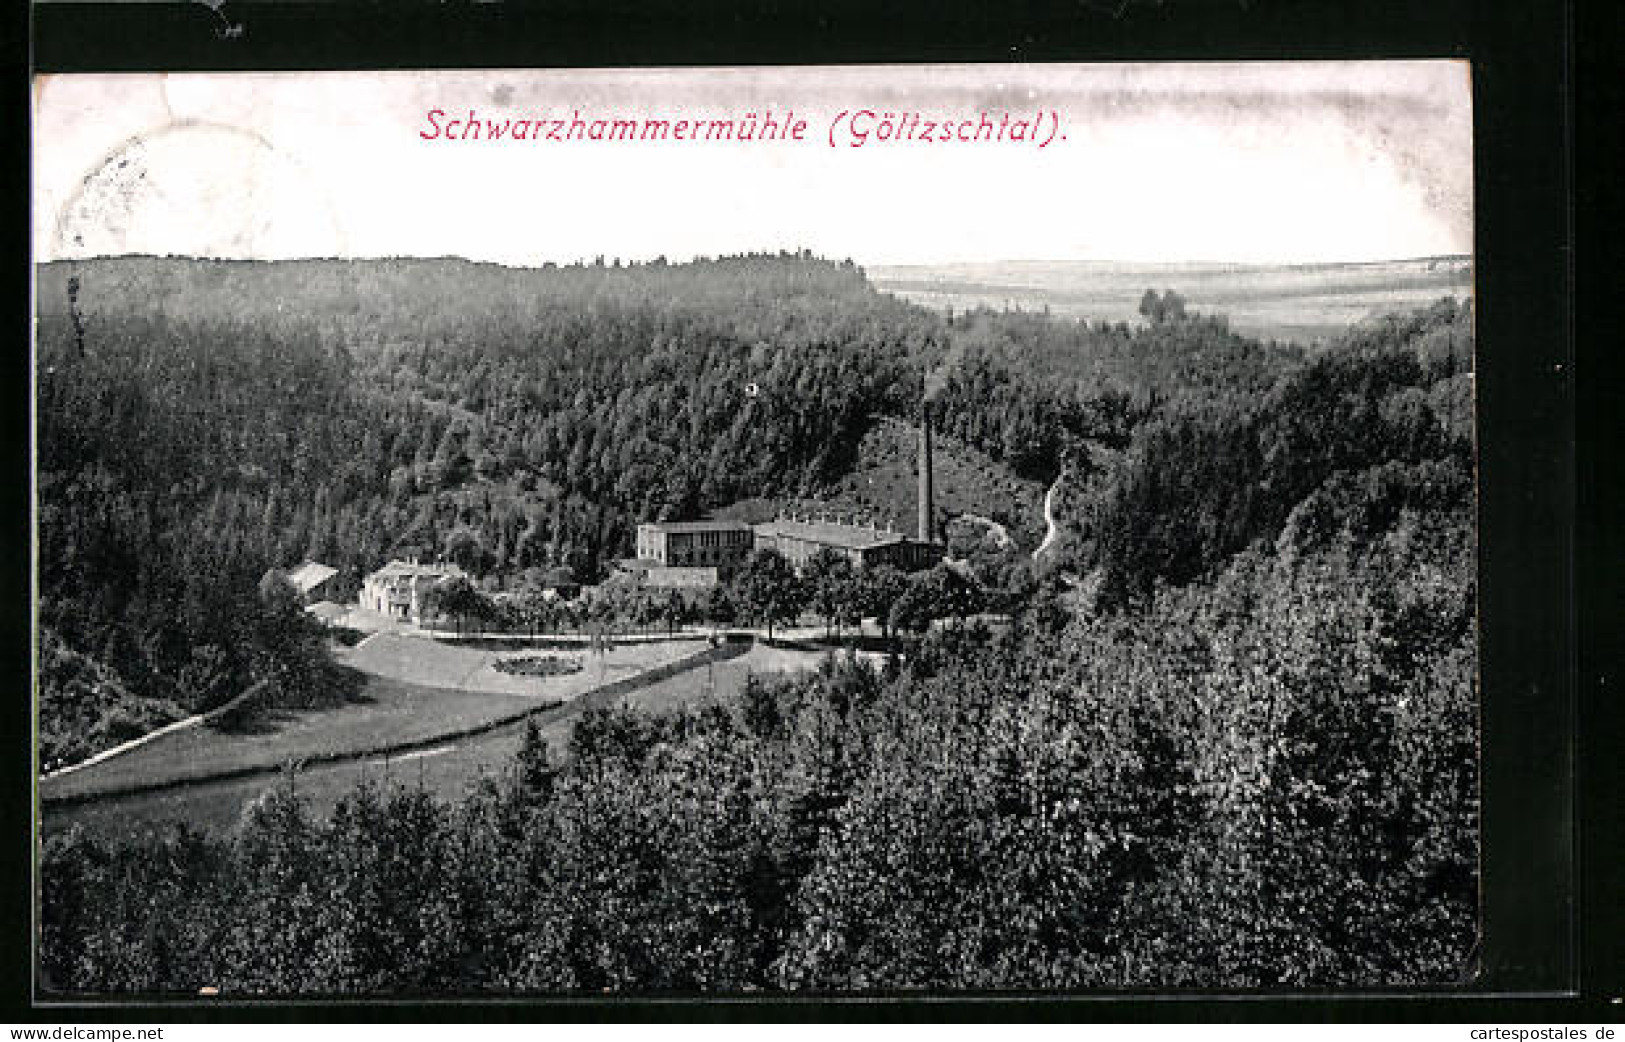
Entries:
{"x":927,"y":529}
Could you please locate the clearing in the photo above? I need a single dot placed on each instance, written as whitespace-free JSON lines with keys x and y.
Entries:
{"x":400,"y":704}
{"x":431,"y":663}
{"x":199,"y":794}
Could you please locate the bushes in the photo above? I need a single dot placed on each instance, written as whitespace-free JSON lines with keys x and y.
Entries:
{"x":83,"y":707}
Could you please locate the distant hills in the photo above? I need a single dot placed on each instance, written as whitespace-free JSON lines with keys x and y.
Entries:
{"x":1309,"y":303}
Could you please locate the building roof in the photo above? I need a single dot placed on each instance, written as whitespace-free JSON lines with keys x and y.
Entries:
{"x":831,"y":533}
{"x":672,"y":527}
{"x":679,"y":578}
{"x":327,"y":611}
{"x":409,"y":569}
{"x":310,"y":575}
{"x":659,"y":577}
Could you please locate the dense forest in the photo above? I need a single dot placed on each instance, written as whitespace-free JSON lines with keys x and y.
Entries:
{"x":1229,"y":737}
{"x":200,"y":423}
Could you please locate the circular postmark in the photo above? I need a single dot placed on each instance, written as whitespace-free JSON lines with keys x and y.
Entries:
{"x":198,"y":188}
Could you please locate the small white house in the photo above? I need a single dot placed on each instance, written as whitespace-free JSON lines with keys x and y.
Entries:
{"x":399,"y":588}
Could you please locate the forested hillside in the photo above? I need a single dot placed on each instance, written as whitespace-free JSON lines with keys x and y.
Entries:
{"x":1229,"y":738}
{"x":1265,"y":779}
{"x":1214,"y":471}
{"x":202,"y":422}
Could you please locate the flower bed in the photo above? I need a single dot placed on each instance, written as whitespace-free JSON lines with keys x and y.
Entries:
{"x":539,"y":666}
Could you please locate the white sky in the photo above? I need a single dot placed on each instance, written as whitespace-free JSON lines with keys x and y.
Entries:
{"x":1262,"y":162}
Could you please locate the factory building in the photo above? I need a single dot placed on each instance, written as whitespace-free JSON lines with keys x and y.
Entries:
{"x":694,"y":544}
{"x":799,"y":538}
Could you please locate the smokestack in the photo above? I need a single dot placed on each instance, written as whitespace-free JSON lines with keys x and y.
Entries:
{"x":926,"y":528}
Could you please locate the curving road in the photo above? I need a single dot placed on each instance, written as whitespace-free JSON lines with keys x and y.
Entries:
{"x":1052,"y":530}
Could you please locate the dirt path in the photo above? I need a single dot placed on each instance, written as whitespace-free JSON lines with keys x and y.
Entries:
{"x":134,"y":743}
{"x":1052,"y":531}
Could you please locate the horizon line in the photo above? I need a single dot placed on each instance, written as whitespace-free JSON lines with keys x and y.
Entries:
{"x":611,"y":262}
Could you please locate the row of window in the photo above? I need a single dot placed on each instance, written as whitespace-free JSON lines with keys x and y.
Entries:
{"x":710,"y":539}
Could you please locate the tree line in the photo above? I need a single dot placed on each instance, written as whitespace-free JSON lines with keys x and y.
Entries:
{"x":763,"y":591}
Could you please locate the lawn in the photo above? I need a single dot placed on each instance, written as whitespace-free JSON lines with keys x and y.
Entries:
{"x":433,"y":663}
{"x":218,"y":805}
{"x":446,"y":769}
{"x":389,"y":711}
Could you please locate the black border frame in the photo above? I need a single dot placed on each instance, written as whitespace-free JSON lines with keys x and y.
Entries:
{"x":1551,"y":879}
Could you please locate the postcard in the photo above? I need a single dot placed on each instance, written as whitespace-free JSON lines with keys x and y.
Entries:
{"x":773,"y":530}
